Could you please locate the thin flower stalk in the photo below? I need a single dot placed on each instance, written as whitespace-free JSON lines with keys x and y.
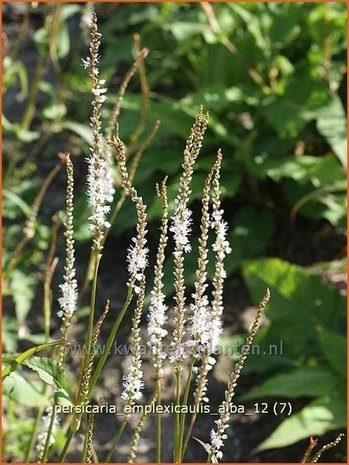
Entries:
{"x":214,"y":324}
{"x":133,"y":168}
{"x":326,"y":447}
{"x":218,"y":435}
{"x":221,"y":248}
{"x":30,"y":224}
{"x":118,"y":205}
{"x":85,"y":389}
{"x":200,"y":321}
{"x":69,"y":288}
{"x":157,"y":311}
{"x":132,"y":382}
{"x":142,"y":55}
{"x":145,"y":95}
{"x":50,"y":268}
{"x":112,"y":335}
{"x":100,"y":184}
{"x":137,"y":258}
{"x":138,"y":430}
{"x":312,"y":443}
{"x":181,"y":228}
{"x":88,"y":448}
{"x":100,"y":179}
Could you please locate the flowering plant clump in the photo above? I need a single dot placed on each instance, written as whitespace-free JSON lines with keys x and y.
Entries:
{"x":192,"y":335}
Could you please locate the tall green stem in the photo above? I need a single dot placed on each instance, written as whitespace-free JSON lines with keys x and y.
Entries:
{"x":110,"y":340}
{"x":116,"y":440}
{"x":158,"y":421}
{"x":31,"y":102}
{"x":96,"y":260}
{"x":35,"y":428}
{"x":66,"y":445}
{"x":183,"y":415}
{"x":48,"y":437}
{"x":177,"y":415}
{"x":77,"y":418}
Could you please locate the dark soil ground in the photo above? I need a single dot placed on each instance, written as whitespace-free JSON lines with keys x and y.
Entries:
{"x":246,"y":432}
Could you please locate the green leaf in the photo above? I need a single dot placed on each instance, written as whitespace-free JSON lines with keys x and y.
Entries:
{"x":80,"y":129}
{"x":289,"y":113}
{"x":22,"y":357}
{"x":331,"y":123}
{"x":23,"y":290}
{"x":317,"y":418}
{"x":19,"y":389}
{"x":334,"y":347}
{"x":285,"y":26}
{"x":70,"y":10}
{"x":48,"y":370}
{"x":300,"y":302}
{"x":54,"y":111}
{"x":63,"y":41}
{"x":330,"y":203}
{"x":304,"y":169}
{"x":9,"y":333}
{"x":62,"y":398}
{"x":304,"y":381}
{"x":26,"y":136}
{"x":186,"y":30}
{"x":243,"y":239}
{"x":13,"y":201}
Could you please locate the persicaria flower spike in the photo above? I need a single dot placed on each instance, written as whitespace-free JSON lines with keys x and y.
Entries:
{"x":201,"y":320}
{"x":157,"y":310}
{"x":181,"y":226}
{"x":218,"y":434}
{"x":99,"y":179}
{"x":133,"y":381}
{"x":68,"y":299}
{"x":137,"y":258}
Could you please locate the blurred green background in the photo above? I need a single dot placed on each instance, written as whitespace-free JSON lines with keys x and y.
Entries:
{"x":273,"y":77}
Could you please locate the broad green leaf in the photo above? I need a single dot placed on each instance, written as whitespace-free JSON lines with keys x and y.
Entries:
{"x":48,"y":370}
{"x":304,"y":381}
{"x":329,"y":201}
{"x":304,"y":169}
{"x":24,"y":392}
{"x":21,"y":358}
{"x":243,"y":239}
{"x":186,"y":30}
{"x":317,"y":418}
{"x":285,"y":25}
{"x":290,"y":112}
{"x":334,"y":347}
{"x":331,"y":123}
{"x":23,"y":290}
{"x":300,"y":302}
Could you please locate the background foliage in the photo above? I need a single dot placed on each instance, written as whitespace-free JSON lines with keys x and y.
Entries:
{"x":273,"y":77}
